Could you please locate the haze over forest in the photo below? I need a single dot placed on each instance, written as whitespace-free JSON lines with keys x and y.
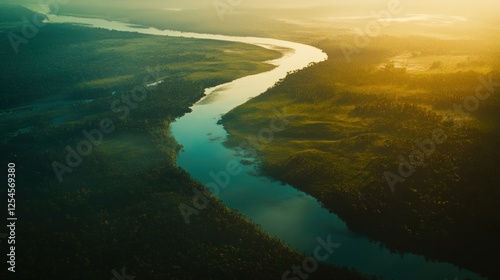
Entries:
{"x":366,"y":128}
{"x":468,"y":7}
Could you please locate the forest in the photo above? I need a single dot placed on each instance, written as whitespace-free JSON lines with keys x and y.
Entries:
{"x":358,"y":124}
{"x":118,"y":208}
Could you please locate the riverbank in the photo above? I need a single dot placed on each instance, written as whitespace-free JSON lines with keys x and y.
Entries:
{"x":351,"y":122}
{"x":118,"y":208}
{"x":215,"y":137}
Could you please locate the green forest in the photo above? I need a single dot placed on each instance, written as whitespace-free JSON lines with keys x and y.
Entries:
{"x":118,"y":208}
{"x":397,"y":136}
{"x":355,"y":126}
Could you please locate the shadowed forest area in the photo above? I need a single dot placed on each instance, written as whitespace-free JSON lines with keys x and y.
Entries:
{"x":119,"y":207}
{"x":398,"y":136}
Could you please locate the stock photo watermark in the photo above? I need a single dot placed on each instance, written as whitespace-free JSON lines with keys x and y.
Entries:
{"x":372,"y":29}
{"x":91,"y":139}
{"x":12,"y":249}
{"x":12,"y":218}
{"x":122,"y":276}
{"x":31,"y":26}
{"x":11,"y":257}
{"x":408,"y":166}
{"x":222,"y":7}
{"x":310,"y":264}
{"x":222,"y":179}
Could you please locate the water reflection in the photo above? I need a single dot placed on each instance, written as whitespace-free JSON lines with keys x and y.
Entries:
{"x":293,"y":216}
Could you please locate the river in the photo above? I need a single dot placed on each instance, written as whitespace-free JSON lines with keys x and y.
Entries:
{"x":281,"y":210}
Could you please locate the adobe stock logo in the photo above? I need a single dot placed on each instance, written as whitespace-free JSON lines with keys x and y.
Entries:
{"x":222,"y":179}
{"x":225,"y":6}
{"x":372,"y":29}
{"x":310,"y":264}
{"x":32,"y":26}
{"x":122,"y":276}
{"x":486,"y":87}
{"x":122,"y":105}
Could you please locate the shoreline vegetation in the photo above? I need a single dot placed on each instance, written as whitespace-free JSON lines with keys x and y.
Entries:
{"x":118,"y":208}
{"x":377,"y":74}
{"x":352,"y":123}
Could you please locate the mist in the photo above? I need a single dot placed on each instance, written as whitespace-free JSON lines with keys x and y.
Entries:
{"x":480,"y":7}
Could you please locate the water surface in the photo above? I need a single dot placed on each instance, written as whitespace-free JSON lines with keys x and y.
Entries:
{"x":293,"y":216}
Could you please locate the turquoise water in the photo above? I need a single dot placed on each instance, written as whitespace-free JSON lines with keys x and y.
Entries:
{"x":282,"y":211}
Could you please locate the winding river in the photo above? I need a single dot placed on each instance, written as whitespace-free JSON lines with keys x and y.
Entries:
{"x":281,"y":210}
